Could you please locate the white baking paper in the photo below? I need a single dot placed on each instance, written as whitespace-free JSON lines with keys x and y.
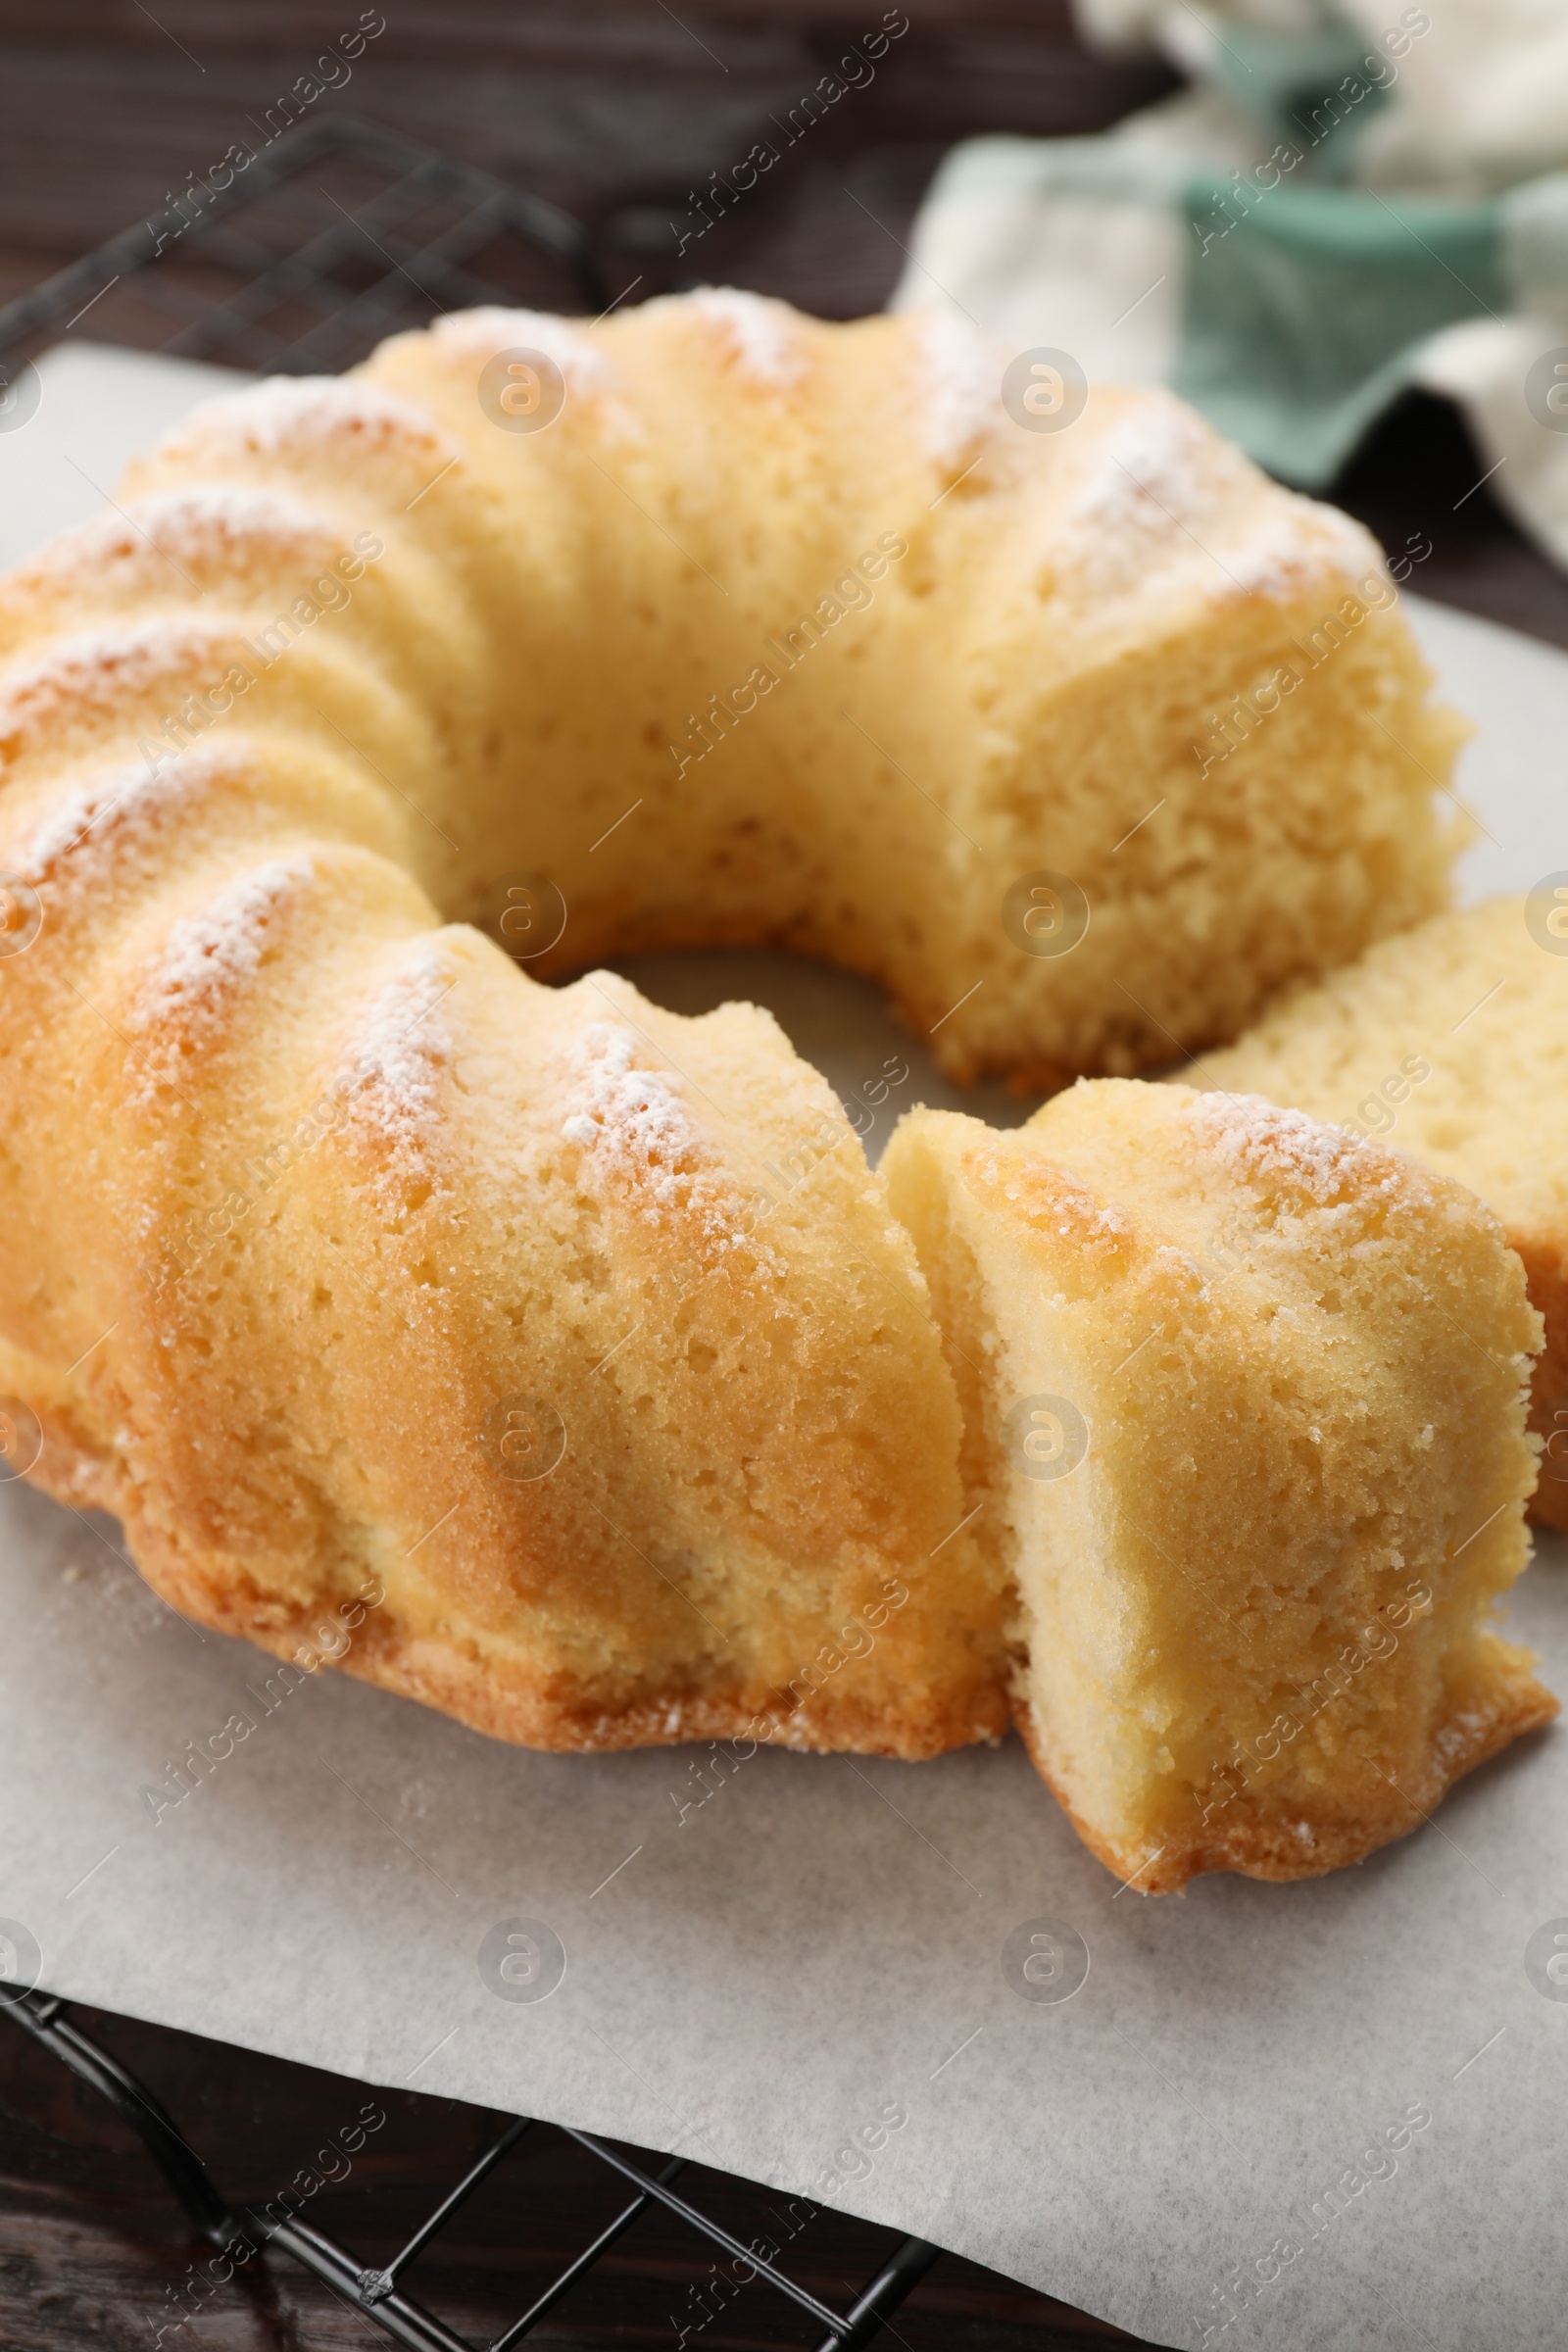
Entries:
{"x":1328,"y":2115}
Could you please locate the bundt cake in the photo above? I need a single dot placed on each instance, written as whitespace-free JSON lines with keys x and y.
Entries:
{"x":338,"y":1254}
{"x":1244,"y":1429}
{"x":1451,"y":1043}
{"x":1074,"y":741}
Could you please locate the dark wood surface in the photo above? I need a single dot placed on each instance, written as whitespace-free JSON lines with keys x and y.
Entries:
{"x":617,"y":111}
{"x":91,"y":2242}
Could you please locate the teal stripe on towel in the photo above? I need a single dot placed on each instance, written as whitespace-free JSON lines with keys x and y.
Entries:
{"x":1306,"y":307}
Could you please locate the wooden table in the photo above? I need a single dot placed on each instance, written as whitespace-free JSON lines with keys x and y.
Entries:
{"x":91,"y":2242}
{"x":617,"y":111}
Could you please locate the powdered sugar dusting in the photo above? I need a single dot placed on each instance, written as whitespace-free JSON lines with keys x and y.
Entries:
{"x":480,"y":334}
{"x":98,"y":673}
{"x":633,"y":1115}
{"x":1302,"y":538}
{"x":304,"y":416}
{"x":207,"y":963}
{"x":401,"y":1052}
{"x":1464,"y":1733}
{"x":1274,"y":564}
{"x":209,"y":532}
{"x":763,"y":337}
{"x":633,"y":1125}
{"x":1162,"y":493}
{"x":1147,"y":485}
{"x":1350,"y":541}
{"x":80,"y":812}
{"x":125,"y":808}
{"x":587,"y":370}
{"x":1045,"y":1191}
{"x":1261,"y":1142}
{"x":959,"y":373}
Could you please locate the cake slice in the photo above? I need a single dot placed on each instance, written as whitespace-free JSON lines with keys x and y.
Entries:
{"x":1452,"y":1041}
{"x":1244,"y":1424}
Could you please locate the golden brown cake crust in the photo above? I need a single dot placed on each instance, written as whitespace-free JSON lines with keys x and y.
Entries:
{"x":944,"y":1691}
{"x":1546,"y":1264}
{"x":327,"y":1215}
{"x":1450,"y":1041}
{"x":1277,"y":1380}
{"x":1258,"y":1847}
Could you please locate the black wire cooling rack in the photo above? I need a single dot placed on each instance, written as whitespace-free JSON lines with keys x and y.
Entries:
{"x":316,"y":248}
{"x":321,"y":244}
{"x":242,"y":2231}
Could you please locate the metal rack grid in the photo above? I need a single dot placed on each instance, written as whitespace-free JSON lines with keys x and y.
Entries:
{"x":339,"y":235}
{"x":242,"y":2231}
{"x":320,"y":246}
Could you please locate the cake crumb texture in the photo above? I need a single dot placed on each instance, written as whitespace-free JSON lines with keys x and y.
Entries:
{"x":336,"y":1246}
{"x":1451,"y":1043}
{"x":1244,"y":1432}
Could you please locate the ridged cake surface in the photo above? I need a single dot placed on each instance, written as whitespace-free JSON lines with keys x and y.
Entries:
{"x":1245,"y":1411}
{"x":1450,"y":1042}
{"x":339,"y":1253}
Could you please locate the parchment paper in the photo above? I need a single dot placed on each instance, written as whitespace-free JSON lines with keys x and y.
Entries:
{"x":1341,"y":2100}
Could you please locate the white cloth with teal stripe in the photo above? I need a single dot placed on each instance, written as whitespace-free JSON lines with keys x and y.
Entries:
{"x":1335,"y":212}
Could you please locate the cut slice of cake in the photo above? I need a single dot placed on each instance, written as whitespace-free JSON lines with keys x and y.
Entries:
{"x":1451,"y":1042}
{"x":1245,"y":1413}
